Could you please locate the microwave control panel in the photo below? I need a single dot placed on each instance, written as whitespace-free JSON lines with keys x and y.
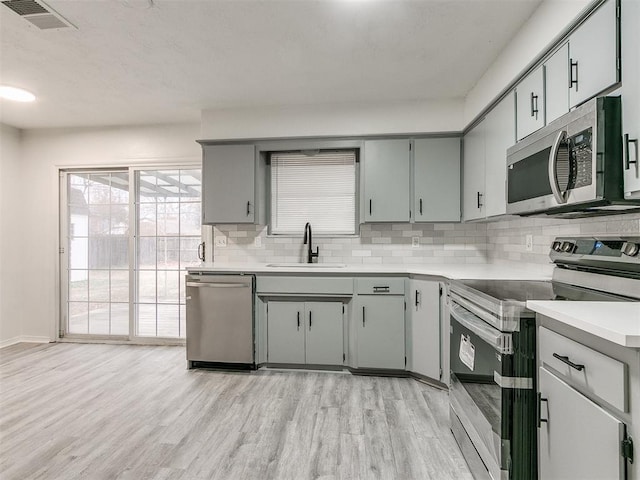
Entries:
{"x":581,"y":154}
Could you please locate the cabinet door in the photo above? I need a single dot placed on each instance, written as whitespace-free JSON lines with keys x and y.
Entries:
{"x":593,"y":54}
{"x":579,"y":439}
{"x":473,"y":174}
{"x":228,"y":184}
{"x":424,"y":328}
{"x":436,"y":180}
{"x":380,"y":332}
{"x":386,"y":181}
{"x":324,"y":332}
{"x":631,"y":97}
{"x":285,"y":332}
{"x":556,"y":77}
{"x":500,"y":134}
{"x":530,"y":103}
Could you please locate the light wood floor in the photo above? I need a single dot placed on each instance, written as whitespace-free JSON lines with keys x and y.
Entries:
{"x":92,"y":411}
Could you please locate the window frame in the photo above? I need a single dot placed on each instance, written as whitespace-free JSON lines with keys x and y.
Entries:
{"x":269,"y":197}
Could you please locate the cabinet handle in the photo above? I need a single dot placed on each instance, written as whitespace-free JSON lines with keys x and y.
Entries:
{"x":627,"y":142}
{"x":420,"y":206}
{"x":309,"y":321}
{"x":539,"y":408}
{"x":370,"y":202}
{"x":201,"y":248}
{"x":534,"y":105}
{"x":363,"y":316}
{"x":298,"y":321}
{"x":478,"y":202}
{"x":384,"y":289}
{"x":573,"y":81}
{"x":566,"y":360}
{"x":248,"y":208}
{"x":417,"y":297}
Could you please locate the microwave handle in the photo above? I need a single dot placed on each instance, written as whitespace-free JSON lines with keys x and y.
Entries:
{"x":561,"y":197}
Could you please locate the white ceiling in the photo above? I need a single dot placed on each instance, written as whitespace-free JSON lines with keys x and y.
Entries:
{"x":163,"y":61}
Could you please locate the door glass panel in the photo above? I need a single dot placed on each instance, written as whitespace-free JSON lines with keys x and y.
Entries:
{"x":168,"y":234}
{"x":97,"y":243}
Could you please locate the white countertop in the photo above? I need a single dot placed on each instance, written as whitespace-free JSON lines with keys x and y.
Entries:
{"x":618,"y":322}
{"x":450,"y":271}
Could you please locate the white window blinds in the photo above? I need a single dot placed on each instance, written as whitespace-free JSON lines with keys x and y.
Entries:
{"x":320,"y":189}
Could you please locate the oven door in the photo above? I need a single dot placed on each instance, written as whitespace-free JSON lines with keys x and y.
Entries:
{"x":492,"y":392}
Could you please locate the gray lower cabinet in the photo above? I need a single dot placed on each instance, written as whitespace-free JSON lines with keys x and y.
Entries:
{"x":386,"y":180}
{"x":423,"y":328}
{"x":229,"y":184}
{"x":305,"y":332}
{"x":380,"y":331}
{"x":577,"y":438}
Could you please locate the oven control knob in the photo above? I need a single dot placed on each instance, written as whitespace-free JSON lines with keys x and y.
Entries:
{"x":556,"y":246}
{"x":568,"y":247}
{"x":630,"y":249}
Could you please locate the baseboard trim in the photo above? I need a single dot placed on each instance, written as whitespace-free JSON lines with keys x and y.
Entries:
{"x":24,"y":339}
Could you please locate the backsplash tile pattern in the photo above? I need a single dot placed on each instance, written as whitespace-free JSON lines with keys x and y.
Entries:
{"x":377,"y":244}
{"x":499,"y":241}
{"x":506,"y":238}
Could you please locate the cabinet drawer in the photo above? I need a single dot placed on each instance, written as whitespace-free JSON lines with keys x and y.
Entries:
{"x":302,"y":285}
{"x":380,"y":286}
{"x":584,"y":367}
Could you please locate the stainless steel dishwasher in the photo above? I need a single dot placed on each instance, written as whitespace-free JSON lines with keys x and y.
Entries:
{"x":220,"y":321}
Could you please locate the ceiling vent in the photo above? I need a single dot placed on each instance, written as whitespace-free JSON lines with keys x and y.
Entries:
{"x":39,"y":14}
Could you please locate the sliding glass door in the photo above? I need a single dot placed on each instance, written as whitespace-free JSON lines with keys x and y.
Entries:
{"x":127,"y":236}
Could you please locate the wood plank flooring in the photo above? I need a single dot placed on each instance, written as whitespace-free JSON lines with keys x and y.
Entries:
{"x":91,"y":411}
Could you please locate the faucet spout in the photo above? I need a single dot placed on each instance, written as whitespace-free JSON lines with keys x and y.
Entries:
{"x":309,"y":242}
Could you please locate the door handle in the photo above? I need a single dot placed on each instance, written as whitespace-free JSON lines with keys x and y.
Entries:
{"x":627,"y":142}
{"x":201,"y":247}
{"x":248,"y":208}
{"x":298,"y":321}
{"x":370,"y":205}
{"x":534,"y":105}
{"x":565,"y":359}
{"x":479,"y":196}
{"x":363,"y":315}
{"x":309,"y":321}
{"x":417,"y":297}
{"x":558,"y":149}
{"x":573,"y":81}
{"x":420,"y":206}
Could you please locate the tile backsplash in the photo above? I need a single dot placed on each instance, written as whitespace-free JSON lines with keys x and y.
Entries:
{"x":498,"y":241}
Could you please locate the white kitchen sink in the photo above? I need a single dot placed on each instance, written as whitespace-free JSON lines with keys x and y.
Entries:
{"x":306,"y":265}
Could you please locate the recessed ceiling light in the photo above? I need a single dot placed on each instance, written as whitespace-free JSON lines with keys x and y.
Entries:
{"x":16,"y":94}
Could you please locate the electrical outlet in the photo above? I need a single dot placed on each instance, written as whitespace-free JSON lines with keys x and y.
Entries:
{"x":257,"y":242}
{"x":529,"y":243}
{"x":415,"y":242}
{"x":221,"y":241}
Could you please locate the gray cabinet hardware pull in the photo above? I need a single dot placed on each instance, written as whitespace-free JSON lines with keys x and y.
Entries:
{"x":627,"y":142}
{"x":565,"y":359}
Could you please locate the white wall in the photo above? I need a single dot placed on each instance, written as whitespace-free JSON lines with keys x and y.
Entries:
{"x":43,"y":152}
{"x":537,"y":34}
{"x":333,"y":120}
{"x":11,"y":248}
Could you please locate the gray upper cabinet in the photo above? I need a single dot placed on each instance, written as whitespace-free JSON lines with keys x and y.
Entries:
{"x":593,"y":54}
{"x":530,"y":103}
{"x":436,"y":180}
{"x":556,"y":74}
{"x":500,"y":133}
{"x":386,"y":180}
{"x":473,"y":189}
{"x":229,"y":184}
{"x":631,"y":97}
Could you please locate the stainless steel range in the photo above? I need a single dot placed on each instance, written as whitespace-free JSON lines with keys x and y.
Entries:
{"x":493,"y":345}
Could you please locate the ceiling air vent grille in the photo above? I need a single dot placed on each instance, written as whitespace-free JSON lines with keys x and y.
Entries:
{"x":38,"y":14}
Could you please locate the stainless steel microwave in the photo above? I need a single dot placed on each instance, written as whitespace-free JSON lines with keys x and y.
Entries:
{"x":573,"y":167}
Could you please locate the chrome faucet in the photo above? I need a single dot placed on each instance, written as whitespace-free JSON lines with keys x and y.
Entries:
{"x":310,"y":252}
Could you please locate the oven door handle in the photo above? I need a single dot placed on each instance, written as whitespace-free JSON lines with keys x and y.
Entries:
{"x":561,"y":197}
{"x":500,"y":341}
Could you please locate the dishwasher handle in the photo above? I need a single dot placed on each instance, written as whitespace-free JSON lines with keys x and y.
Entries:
{"x":218,"y":285}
